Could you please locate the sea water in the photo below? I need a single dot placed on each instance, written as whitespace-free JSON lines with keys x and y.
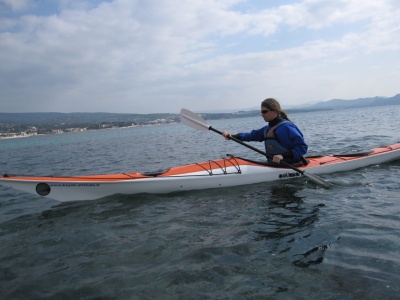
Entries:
{"x":274,"y":240}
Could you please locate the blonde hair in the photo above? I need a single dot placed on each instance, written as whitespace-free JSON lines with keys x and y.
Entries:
{"x":273,"y":104}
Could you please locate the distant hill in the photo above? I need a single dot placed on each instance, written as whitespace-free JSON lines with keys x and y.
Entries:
{"x":55,"y":120}
{"x":45,"y":123}
{"x":81,"y":118}
{"x":356,"y":103}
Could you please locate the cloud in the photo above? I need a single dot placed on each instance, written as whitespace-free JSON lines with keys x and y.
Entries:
{"x":150,"y":56}
{"x":14,"y":5}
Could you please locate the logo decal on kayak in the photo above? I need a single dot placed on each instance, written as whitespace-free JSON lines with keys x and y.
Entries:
{"x":76,"y":184}
{"x":289,"y":175}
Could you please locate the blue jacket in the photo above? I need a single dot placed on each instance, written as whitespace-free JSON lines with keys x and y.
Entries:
{"x":287,"y":134}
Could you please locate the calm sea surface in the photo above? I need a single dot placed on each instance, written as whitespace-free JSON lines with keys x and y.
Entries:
{"x":289,"y":240}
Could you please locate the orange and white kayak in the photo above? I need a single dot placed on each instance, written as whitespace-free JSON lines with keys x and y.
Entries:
{"x":220,"y":173}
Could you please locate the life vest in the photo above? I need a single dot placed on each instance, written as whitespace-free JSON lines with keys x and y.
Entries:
{"x":272,"y":146}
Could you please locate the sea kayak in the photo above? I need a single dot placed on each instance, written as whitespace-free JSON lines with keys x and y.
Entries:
{"x":219,"y":173}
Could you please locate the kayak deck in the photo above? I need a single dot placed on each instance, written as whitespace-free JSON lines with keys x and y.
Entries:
{"x":224,"y":172}
{"x":210,"y":166}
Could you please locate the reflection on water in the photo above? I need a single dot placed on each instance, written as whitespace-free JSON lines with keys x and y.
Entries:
{"x":285,"y":219}
{"x":284,"y":214}
{"x":311,"y":257}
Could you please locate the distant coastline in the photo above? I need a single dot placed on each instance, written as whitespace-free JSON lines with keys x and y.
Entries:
{"x":18,"y":125}
{"x":24,"y":134}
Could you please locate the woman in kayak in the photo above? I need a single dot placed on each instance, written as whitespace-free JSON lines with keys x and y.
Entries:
{"x":283,"y":140}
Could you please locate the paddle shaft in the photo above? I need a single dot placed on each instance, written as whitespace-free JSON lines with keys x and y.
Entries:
{"x":257,"y":150}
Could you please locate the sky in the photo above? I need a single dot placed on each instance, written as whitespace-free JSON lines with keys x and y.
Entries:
{"x":158,"y":56}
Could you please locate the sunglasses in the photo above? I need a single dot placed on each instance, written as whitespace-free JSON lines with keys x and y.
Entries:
{"x":265,"y":111}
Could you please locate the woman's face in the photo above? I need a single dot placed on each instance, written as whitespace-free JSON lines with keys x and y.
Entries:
{"x":268,"y":114}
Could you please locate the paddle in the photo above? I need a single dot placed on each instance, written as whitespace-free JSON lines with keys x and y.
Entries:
{"x":195,"y":121}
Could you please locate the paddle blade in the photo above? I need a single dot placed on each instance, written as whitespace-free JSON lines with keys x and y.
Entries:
{"x":193,"y":120}
{"x":319,"y":180}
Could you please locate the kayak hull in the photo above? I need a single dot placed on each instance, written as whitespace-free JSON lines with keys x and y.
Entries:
{"x":226,"y":172}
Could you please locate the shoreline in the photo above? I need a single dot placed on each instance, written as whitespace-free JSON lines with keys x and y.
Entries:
{"x":26,"y":135}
